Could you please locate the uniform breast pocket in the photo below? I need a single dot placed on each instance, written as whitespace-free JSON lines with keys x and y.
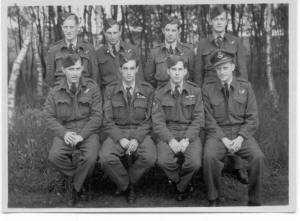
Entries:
{"x":161,"y":69}
{"x":107,"y":70}
{"x":58,"y":64}
{"x":239,"y":106}
{"x":84,"y":106}
{"x":119,"y":109}
{"x":140,"y":108}
{"x":63,"y":109}
{"x":188,"y":107}
{"x":206,"y":55}
{"x":168,"y":107}
{"x":219,"y":109}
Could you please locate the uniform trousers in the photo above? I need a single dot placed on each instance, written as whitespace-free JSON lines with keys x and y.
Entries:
{"x":215,"y":151}
{"x":110,"y":159}
{"x":60,"y":156}
{"x":181,"y":175}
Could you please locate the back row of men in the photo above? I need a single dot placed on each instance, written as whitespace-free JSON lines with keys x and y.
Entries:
{"x":176,"y":111}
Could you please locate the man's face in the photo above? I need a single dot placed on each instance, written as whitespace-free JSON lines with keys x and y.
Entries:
{"x":171,"y":33}
{"x":219,"y":23}
{"x":70,"y":29}
{"x":128,"y":71}
{"x":73,"y":73}
{"x":225,"y":71}
{"x":113,"y":34}
{"x":177,"y":73}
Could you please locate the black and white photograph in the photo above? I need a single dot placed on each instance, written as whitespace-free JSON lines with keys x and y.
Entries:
{"x":136,"y":106}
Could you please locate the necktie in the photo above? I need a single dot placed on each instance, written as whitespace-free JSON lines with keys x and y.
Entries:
{"x":73,"y":88}
{"x":171,"y":50}
{"x":71,"y":50}
{"x":128,"y":95}
{"x":219,"y":41}
{"x":114,"y":50}
{"x":226,"y":91}
{"x":176,"y":92}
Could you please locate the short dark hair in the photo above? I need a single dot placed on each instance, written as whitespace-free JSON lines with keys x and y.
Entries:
{"x":68,"y":16}
{"x":174,"y":59}
{"x":170,"y":20}
{"x":108,"y":23}
{"x":128,"y":56}
{"x":217,"y":10}
{"x":70,"y":59}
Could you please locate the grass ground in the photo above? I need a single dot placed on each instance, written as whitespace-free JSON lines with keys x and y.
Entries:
{"x":154,"y":191}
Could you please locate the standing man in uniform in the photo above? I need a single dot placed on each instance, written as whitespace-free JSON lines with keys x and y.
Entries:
{"x":219,"y":40}
{"x":73,"y":111}
{"x":205,"y":71}
{"x":108,"y":56}
{"x":127,"y":121}
{"x":231,"y":119}
{"x":156,"y":67}
{"x":177,"y":116}
{"x":69,"y":45}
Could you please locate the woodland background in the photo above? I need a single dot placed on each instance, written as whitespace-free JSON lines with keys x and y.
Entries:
{"x":31,"y":30}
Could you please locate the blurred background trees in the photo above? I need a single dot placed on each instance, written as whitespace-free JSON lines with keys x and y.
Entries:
{"x":263,"y":29}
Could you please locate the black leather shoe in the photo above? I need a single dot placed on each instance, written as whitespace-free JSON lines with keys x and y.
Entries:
{"x":221,"y":199}
{"x":212,"y":203}
{"x":253,"y":203}
{"x":131,"y":197}
{"x":73,"y":197}
{"x":118,"y":192}
{"x":180,"y":196}
{"x":242,"y":176}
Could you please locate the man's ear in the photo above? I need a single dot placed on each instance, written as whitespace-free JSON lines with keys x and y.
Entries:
{"x":168,"y":71}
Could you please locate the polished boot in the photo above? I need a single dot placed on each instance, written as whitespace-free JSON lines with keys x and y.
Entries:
{"x":131,"y":195}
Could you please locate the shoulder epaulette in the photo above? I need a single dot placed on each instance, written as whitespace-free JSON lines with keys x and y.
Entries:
{"x":242,"y":80}
{"x":162,"y":85}
{"x":144,"y":83}
{"x":192,"y":83}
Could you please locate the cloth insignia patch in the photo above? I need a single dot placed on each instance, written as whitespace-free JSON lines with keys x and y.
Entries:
{"x":191,"y":96}
{"x":242,"y":91}
{"x":139,"y":95}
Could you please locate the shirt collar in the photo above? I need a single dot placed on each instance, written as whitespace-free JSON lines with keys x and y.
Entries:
{"x":231,"y":84}
{"x":74,"y":42}
{"x":173,"y":45}
{"x":126,"y":86}
{"x":118,"y":46}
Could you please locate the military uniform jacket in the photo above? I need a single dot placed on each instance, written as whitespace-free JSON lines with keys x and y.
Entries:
{"x":59,"y":49}
{"x":207,"y":47}
{"x":156,"y":67}
{"x":81,"y":113}
{"x":187,"y":115}
{"x":118,"y":114}
{"x":241,"y":110}
{"x":109,"y":65}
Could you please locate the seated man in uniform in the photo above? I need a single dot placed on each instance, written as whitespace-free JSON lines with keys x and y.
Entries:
{"x":73,"y":111}
{"x":127,"y":109}
{"x":231,"y":119}
{"x":177,"y":116}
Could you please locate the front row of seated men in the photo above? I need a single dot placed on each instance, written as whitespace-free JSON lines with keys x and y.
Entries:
{"x":175,"y":112}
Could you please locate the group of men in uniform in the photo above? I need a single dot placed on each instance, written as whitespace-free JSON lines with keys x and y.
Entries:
{"x":155,"y":116}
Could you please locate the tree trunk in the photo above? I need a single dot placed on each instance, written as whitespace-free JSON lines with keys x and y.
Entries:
{"x":269,"y":73}
{"x":233,"y":19}
{"x":182,"y":12}
{"x":99,"y":26}
{"x":89,"y":23}
{"x":14,"y":76}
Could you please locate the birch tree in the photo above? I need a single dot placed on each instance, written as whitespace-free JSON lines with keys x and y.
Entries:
{"x":269,"y":73}
{"x":15,"y":74}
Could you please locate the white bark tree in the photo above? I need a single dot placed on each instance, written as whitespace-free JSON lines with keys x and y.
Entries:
{"x":269,"y":73}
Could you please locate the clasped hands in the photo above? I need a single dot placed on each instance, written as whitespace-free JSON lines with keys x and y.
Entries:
{"x":179,"y":146}
{"x":233,"y":145}
{"x":72,"y":138}
{"x":129,"y":145}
